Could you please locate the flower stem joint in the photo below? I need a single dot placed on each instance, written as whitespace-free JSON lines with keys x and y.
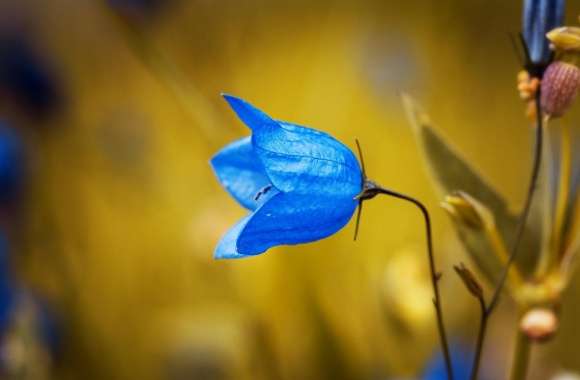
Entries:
{"x":370,"y":190}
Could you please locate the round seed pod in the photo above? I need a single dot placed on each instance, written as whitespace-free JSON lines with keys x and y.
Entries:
{"x":539,"y":324}
{"x":559,"y":88}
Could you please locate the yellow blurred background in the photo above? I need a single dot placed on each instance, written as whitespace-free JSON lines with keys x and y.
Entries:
{"x":122,"y":211}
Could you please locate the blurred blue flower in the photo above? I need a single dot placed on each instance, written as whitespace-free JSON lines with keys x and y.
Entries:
{"x":299,"y":183}
{"x":462,"y":361}
{"x":8,"y":292}
{"x":26,"y":78}
{"x":48,"y":325}
{"x":539,"y":17}
{"x":11,"y":164}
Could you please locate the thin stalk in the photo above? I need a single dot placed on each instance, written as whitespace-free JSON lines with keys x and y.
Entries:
{"x":435,"y":276}
{"x":480,"y":339}
{"x":527,"y":206}
{"x":521,"y":357}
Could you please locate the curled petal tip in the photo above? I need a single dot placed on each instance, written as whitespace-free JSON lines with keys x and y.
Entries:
{"x":234,"y":101}
{"x":227,"y":96}
{"x":228,"y":256}
{"x":250,"y":115}
{"x":227,"y":247}
{"x":240,"y":172}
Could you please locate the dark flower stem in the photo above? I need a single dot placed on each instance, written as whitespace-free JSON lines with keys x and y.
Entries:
{"x":527,"y":206}
{"x":480,"y":339}
{"x":487,"y":310}
{"x":435,"y":276}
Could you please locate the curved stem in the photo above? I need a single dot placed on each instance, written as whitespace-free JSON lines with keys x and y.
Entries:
{"x":480,"y":340}
{"x":435,"y":276}
{"x":527,"y":206}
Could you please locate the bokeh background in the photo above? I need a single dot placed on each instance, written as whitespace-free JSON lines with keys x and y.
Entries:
{"x":110,"y":112}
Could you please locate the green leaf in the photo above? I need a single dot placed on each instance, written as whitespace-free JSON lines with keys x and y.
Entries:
{"x":476,"y":228}
{"x":451,"y":172}
{"x":448,"y":168}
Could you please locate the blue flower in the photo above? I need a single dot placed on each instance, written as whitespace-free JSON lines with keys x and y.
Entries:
{"x":462,"y":362}
{"x":8,"y":292}
{"x":48,"y":325}
{"x":11,"y":164}
{"x":26,"y":78}
{"x":299,"y":184}
{"x":539,"y":17}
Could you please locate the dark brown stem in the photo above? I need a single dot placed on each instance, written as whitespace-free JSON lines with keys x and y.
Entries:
{"x":527,"y":206}
{"x":434,"y":274}
{"x":480,"y":339}
{"x":487,"y":310}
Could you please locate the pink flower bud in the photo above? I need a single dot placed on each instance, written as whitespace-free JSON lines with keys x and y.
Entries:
{"x":559,"y":87}
{"x":539,"y":324}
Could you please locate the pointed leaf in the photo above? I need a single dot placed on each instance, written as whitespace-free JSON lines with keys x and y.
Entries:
{"x":452,"y":172}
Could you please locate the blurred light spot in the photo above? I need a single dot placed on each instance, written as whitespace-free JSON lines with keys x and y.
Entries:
{"x":407,"y":289}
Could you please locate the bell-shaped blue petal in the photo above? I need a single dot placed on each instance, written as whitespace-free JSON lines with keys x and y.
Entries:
{"x":240,"y":171}
{"x":291,"y":218}
{"x":300,"y":183}
{"x":227,"y":247}
{"x":539,"y":17}
{"x":299,"y":159}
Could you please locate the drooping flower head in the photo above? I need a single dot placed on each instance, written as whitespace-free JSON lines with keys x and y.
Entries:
{"x":300,"y":184}
{"x":539,"y":17}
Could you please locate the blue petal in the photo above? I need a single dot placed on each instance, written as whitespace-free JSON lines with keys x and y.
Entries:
{"x":226,"y":248}
{"x":462,"y":361}
{"x":11,"y":164}
{"x":539,"y":17}
{"x":241,"y":172}
{"x":250,"y":115}
{"x":299,"y":159}
{"x":290,"y":218}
